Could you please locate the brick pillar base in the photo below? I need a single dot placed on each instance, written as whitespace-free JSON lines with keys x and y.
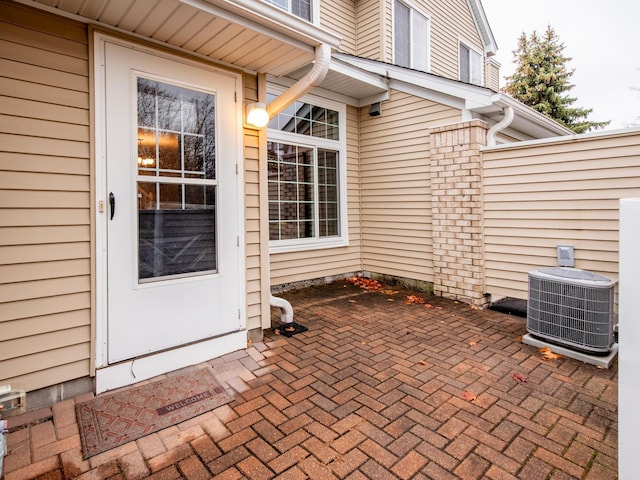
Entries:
{"x":456,"y":192}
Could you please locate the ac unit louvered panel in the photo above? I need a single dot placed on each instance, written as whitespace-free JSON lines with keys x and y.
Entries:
{"x":572,"y":307}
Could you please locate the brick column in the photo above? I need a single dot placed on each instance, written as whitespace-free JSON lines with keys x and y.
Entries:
{"x":456,"y":196}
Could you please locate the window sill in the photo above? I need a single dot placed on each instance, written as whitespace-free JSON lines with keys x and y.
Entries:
{"x":280,"y":247}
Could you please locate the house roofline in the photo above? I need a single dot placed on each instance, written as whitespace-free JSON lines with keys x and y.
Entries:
{"x":479,"y":101}
{"x":480,"y":18}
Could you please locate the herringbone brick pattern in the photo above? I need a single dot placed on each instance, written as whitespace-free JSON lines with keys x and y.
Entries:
{"x":374,"y":390}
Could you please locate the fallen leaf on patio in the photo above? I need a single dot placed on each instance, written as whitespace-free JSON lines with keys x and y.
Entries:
{"x":249,"y":343}
{"x":390,"y":300}
{"x":519,"y":339}
{"x":473,"y":307}
{"x":423,"y":362}
{"x":518,"y":377}
{"x":290,"y":329}
{"x":547,"y":354}
{"x":473,"y":343}
{"x":390,"y":292}
{"x":438,"y":308}
{"x":365,"y":283}
{"x":352,"y":301}
{"x":469,"y":396}
{"x":411,"y":299}
{"x":428,"y":305}
{"x":277,"y":331}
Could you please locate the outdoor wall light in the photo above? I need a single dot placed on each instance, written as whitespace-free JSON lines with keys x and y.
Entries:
{"x":257,"y":115}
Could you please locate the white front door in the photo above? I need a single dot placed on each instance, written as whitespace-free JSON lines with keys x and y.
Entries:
{"x":172,"y":203}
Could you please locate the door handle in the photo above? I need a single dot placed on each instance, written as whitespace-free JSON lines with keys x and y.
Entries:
{"x":112,"y":204}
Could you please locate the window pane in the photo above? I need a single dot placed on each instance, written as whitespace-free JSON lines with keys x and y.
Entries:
{"x":291,"y":191}
{"x":465,"y":72}
{"x":176,"y":134}
{"x":174,"y":240}
{"x":328,"y":192}
{"x":309,"y":120}
{"x":420,"y":45}
{"x":302,"y":9}
{"x":401,"y":35}
{"x":475,"y":61}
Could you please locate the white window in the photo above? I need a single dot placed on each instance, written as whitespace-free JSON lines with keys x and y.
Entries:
{"x":411,"y":37}
{"x":306,"y":165}
{"x":470,"y":65}
{"x":299,"y":8}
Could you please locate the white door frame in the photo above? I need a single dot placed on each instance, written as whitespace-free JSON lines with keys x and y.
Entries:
{"x":128,"y":372}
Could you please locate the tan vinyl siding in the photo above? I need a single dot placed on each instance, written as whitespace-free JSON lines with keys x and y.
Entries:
{"x":253,"y":253}
{"x":451,"y":21}
{"x":313,"y":264}
{"x":538,"y":196}
{"x":396,"y":186}
{"x":45,"y":249}
{"x":370,"y":18}
{"x":338,"y":16}
{"x":492,"y":75}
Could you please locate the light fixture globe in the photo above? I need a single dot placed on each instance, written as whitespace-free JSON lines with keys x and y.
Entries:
{"x":257,"y":115}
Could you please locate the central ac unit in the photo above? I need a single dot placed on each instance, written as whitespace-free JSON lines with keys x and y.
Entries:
{"x":572,"y":307}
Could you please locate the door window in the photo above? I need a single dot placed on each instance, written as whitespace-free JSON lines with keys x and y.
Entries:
{"x":176,"y":184}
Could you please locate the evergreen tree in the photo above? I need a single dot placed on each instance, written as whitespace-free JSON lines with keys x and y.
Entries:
{"x":541,"y":81}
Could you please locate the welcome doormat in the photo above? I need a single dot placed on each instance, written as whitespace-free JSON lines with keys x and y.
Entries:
{"x":108,"y":421}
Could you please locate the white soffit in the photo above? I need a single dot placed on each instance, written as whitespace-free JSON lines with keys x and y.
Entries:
{"x":346,"y":83}
{"x":247,"y":34}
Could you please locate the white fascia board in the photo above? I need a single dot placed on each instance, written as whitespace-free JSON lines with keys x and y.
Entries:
{"x":482,"y":24}
{"x":426,"y":85}
{"x":268,"y":19}
{"x":428,"y":94}
{"x":358,"y":74}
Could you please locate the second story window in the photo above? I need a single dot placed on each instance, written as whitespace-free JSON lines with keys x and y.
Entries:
{"x":299,"y":8}
{"x":470,"y":65}
{"x":410,"y":37}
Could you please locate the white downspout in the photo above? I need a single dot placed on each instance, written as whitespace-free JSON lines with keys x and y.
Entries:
{"x":501,"y":125}
{"x":287,"y":311}
{"x":313,"y":78}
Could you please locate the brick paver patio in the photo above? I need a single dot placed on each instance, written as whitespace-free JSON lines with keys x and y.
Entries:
{"x":376,"y":389}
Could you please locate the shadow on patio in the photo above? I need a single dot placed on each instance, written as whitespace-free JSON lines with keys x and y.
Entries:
{"x":375,"y":389}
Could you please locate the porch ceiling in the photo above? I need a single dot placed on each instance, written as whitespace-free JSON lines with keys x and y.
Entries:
{"x":249,"y":34}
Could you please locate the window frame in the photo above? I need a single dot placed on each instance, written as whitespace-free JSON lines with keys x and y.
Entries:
{"x":413,"y":10}
{"x":340,"y":145}
{"x":472,"y":50}
{"x":314,"y":10}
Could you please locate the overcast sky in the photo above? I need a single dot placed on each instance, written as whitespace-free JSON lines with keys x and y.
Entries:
{"x":601,"y":37}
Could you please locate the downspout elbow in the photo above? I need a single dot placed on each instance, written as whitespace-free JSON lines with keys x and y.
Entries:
{"x":313,"y":78}
{"x":501,"y":125}
{"x":286,"y":315}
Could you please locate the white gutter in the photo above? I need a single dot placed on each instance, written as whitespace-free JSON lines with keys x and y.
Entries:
{"x":312,"y":79}
{"x":501,"y":125}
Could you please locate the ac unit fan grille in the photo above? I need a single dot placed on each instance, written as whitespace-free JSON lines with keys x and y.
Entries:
{"x":574,"y":314}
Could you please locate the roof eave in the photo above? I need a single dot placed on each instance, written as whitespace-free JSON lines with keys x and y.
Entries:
{"x":480,"y":18}
{"x":268,"y":16}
